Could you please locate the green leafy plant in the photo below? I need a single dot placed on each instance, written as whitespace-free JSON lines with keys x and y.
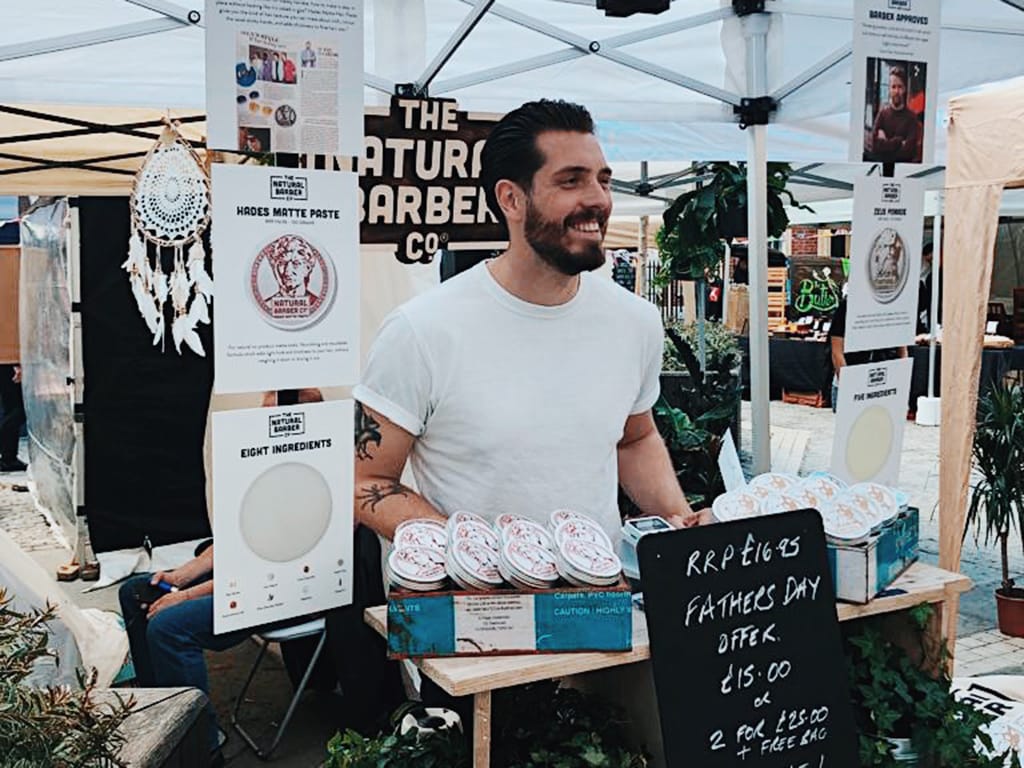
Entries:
{"x":545,"y":726}
{"x":697,"y":221}
{"x":906,"y":695}
{"x":997,"y":498}
{"x":440,"y":749}
{"x":697,"y":407}
{"x":534,"y":726}
{"x":56,"y":727}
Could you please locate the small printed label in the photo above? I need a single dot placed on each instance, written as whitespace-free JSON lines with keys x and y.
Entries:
{"x":498,"y":623}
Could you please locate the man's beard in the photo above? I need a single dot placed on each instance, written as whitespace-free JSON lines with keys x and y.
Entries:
{"x":545,"y":236}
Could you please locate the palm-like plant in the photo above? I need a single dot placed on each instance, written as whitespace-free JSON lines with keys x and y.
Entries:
{"x":697,"y":222}
{"x":997,"y":498}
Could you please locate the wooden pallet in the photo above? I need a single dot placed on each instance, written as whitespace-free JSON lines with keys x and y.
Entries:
{"x":788,"y":449}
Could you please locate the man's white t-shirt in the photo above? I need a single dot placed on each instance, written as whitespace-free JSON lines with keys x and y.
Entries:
{"x":516,"y":407}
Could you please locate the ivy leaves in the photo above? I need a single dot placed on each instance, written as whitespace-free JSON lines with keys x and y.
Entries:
{"x":897,"y":696}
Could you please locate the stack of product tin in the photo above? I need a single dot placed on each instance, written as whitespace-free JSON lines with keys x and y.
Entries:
{"x":516,"y":550}
{"x":472,"y":556}
{"x":585,"y":555}
{"x":417,"y":559}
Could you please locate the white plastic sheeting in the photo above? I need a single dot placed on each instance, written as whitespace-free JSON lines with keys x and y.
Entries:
{"x":45,"y":320}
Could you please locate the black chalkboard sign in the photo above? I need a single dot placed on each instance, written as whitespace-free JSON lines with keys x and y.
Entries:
{"x":748,"y":664}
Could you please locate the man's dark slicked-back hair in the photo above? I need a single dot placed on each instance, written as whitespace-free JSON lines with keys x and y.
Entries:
{"x":511,"y":150}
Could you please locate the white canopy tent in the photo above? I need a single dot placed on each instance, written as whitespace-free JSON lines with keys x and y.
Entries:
{"x":663,"y":87}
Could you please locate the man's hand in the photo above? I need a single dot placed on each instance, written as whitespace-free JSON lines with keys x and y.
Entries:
{"x":166,"y":601}
{"x":17,"y":374}
{"x":168,"y":577}
{"x":881,"y":134}
{"x":692,"y":519}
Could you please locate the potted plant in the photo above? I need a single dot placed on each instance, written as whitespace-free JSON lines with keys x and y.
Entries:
{"x":997,"y":498}
{"x":904,"y":708}
{"x":696,"y":223}
{"x":698,"y":404}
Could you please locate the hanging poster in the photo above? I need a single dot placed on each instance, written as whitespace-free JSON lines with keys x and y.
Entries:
{"x":885,"y":263}
{"x":282,"y":512}
{"x":895,"y":81}
{"x":287,"y":269}
{"x":285,"y":76}
{"x":870,"y":415}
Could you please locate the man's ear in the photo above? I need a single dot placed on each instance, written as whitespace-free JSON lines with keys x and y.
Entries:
{"x":511,"y":199}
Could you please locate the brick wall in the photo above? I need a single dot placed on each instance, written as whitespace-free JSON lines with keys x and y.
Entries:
{"x":804,"y":241}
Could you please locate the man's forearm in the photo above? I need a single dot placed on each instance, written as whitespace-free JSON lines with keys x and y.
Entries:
{"x":649,"y":479}
{"x":381,"y":504}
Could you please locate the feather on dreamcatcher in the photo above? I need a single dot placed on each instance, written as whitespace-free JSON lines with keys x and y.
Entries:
{"x":170,"y":206}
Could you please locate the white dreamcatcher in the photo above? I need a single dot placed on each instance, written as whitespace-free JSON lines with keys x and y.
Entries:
{"x":170,"y":205}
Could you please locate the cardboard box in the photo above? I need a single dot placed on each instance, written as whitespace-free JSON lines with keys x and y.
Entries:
{"x":426,"y":624}
{"x":860,"y":572}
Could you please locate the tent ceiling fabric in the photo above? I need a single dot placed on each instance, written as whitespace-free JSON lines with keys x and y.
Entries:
{"x":639,"y":82}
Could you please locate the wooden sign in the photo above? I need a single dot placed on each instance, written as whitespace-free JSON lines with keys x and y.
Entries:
{"x":418,"y":186}
{"x":745,"y":644}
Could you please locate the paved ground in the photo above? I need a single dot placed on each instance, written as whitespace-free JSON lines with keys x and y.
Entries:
{"x":980,"y":649}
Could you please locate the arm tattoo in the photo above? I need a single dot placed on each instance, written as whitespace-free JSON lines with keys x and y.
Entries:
{"x":367,"y":431}
{"x":375,"y":494}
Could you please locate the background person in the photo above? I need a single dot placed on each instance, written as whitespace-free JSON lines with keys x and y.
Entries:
{"x":924,"y":290}
{"x":841,"y":358}
{"x":12,"y":405}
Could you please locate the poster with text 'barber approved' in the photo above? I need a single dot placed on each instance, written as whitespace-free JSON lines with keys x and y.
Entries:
{"x":282,"y":512}
{"x":885,"y":263}
{"x":895,"y":81}
{"x":870,"y":416}
{"x":286,"y":261}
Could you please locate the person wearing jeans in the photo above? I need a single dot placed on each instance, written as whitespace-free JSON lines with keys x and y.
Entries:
{"x":167,"y":637}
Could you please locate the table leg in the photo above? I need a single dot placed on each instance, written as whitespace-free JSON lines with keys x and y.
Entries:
{"x":482,"y":730}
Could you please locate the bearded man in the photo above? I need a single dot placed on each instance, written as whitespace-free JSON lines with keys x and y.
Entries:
{"x":526,"y":383}
{"x":896,"y":134}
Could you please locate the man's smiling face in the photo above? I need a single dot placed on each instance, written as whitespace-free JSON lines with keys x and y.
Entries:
{"x":569,"y":202}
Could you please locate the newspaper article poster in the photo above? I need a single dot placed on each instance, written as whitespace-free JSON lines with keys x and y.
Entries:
{"x":885,"y":263}
{"x":285,"y":76}
{"x":286,"y":260}
{"x":895,"y":81}
{"x":282,"y":512}
{"x":870,"y":416}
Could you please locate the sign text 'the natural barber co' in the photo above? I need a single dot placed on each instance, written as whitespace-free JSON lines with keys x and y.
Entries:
{"x":419,"y":182}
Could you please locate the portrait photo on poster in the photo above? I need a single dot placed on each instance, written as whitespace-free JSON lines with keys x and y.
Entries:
{"x":894,"y":110}
{"x":292,"y":282}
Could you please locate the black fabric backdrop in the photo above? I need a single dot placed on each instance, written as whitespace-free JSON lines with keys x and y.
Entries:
{"x":145,"y":407}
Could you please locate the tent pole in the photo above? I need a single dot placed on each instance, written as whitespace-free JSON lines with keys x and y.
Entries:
{"x":640,"y":284}
{"x":726,"y":264}
{"x":933,"y":313}
{"x":755,"y":30}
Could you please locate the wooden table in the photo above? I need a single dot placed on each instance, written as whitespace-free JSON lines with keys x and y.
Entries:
{"x":480,"y":675}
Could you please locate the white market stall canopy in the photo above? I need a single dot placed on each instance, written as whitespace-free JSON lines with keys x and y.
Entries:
{"x":663,"y":87}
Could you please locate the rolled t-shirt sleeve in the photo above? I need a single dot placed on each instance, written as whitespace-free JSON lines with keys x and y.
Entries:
{"x":396,"y":380}
{"x":653,"y":346}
